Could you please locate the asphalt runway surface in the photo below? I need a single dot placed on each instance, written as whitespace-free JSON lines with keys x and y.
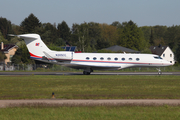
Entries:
{"x":93,"y":73}
{"x":80,"y":102}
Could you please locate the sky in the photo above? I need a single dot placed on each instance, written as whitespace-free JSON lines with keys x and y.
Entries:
{"x":141,"y":12}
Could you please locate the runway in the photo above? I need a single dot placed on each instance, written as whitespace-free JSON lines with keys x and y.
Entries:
{"x":93,"y":73}
{"x":80,"y":102}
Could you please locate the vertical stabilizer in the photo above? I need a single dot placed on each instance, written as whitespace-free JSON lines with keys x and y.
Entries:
{"x":35,"y":45}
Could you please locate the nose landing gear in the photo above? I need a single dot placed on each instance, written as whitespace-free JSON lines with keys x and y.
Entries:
{"x":159,"y":71}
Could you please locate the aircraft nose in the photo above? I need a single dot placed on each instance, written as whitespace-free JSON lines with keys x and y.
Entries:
{"x":168,"y":62}
{"x":172,"y":63}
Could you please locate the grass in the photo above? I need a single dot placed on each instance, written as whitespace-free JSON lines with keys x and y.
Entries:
{"x":92,"y":113}
{"x":90,"y":87}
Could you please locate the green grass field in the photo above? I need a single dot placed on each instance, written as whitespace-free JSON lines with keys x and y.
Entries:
{"x":90,"y":87}
{"x":92,"y":113}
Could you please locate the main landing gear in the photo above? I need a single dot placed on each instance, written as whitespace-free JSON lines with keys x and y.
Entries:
{"x":159,"y":71}
{"x":87,"y":71}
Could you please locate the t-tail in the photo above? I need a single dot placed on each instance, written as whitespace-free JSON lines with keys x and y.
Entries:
{"x":36,"y":47}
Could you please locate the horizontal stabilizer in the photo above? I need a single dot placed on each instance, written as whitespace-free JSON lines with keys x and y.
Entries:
{"x":24,"y":36}
{"x":12,"y":35}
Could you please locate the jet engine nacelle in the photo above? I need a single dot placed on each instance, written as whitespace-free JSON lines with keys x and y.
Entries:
{"x":61,"y":55}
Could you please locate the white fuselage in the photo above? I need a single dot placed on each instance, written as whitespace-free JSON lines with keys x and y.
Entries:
{"x":108,"y":60}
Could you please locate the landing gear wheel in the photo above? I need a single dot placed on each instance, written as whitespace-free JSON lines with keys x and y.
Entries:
{"x":86,"y":73}
{"x":159,"y":71}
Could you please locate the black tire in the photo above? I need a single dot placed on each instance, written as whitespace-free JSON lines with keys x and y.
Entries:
{"x":159,"y":73}
{"x":86,"y":73}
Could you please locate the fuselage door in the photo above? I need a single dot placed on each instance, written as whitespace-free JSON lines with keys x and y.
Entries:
{"x":72,"y":55}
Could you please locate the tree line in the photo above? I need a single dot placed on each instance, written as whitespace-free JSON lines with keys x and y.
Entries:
{"x":92,"y":36}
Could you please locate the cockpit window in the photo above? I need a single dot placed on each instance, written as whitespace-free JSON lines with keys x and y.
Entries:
{"x":157,"y":57}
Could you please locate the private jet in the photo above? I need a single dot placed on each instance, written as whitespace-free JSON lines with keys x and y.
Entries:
{"x":89,"y":61}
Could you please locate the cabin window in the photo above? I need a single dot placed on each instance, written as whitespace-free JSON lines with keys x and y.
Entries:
{"x":137,"y":59}
{"x":123,"y":59}
{"x":94,"y":58}
{"x":170,"y":55}
{"x":87,"y":58}
{"x":170,"y":61}
{"x":130,"y":58}
{"x":108,"y":58}
{"x":163,"y":55}
{"x":101,"y":58}
{"x":115,"y":58}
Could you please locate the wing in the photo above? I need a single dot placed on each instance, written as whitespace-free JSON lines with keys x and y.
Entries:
{"x":93,"y":67}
